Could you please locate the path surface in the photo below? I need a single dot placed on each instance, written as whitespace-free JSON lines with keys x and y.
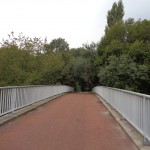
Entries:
{"x":71,"y":122}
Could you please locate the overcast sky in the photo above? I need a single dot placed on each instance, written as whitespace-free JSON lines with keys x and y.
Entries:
{"x":77,"y":21}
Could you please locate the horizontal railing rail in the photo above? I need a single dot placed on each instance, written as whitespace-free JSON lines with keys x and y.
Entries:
{"x":16,"y":97}
{"x":134,"y":107}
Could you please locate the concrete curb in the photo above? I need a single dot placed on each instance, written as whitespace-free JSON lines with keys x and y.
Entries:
{"x":134,"y":135}
{"x":10,"y":116}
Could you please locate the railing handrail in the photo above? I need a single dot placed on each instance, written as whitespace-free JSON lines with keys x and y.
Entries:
{"x":26,"y":86}
{"x":130,"y":92}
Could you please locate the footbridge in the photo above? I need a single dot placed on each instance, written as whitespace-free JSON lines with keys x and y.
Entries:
{"x":56,"y":118}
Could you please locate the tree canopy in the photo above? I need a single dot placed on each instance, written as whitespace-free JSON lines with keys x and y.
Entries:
{"x":124,"y":56}
{"x":115,"y":14}
{"x":120,"y":59}
{"x":57,"y":45}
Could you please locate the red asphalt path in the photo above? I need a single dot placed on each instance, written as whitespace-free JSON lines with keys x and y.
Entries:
{"x":76,"y":121}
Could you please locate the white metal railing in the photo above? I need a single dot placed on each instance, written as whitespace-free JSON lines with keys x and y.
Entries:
{"x":134,"y":107}
{"x":13,"y":98}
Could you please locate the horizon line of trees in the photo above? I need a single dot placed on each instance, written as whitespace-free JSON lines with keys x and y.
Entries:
{"x":33,"y":61}
{"x":121,"y":59}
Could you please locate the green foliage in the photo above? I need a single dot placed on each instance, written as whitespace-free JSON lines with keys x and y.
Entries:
{"x":139,"y":30}
{"x":120,"y":72}
{"x":57,"y":45}
{"x":52,"y":67}
{"x":14,"y":66}
{"x":123,"y":56}
{"x":138,"y":51}
{"x":115,"y":14}
{"x":117,"y":33}
{"x":121,"y":59}
{"x":143,"y":78}
{"x":81,"y":68}
{"x":25,"y":61}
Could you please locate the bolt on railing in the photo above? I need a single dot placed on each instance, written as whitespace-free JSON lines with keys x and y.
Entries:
{"x":134,"y":107}
{"x":13,"y":98}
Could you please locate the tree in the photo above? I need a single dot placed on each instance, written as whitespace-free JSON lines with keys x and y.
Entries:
{"x":34,"y":45}
{"x":138,"y":51}
{"x":138,"y":30}
{"x":115,"y":14}
{"x":120,"y":72}
{"x":57,"y":45}
{"x":112,"y":43}
{"x":52,"y":68}
{"x":123,"y":54}
{"x":14,"y":66}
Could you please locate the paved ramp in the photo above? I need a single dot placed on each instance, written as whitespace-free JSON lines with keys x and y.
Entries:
{"x":76,"y":121}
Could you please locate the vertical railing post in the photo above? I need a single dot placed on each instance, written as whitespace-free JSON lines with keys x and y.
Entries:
{"x":13,"y":99}
{"x":146,"y":142}
{"x":122,"y":107}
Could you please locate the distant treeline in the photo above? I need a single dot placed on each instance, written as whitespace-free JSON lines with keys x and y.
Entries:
{"x":121,"y":59}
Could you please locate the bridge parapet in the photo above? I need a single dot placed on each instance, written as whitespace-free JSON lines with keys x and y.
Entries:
{"x":134,"y":107}
{"x":16,"y":97}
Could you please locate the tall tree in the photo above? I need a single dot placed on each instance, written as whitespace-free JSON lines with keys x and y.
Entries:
{"x":115,"y":14}
{"x":57,"y":45}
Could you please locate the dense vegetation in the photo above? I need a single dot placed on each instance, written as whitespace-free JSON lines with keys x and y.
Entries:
{"x":121,"y":59}
{"x":124,"y":52}
{"x":25,"y":61}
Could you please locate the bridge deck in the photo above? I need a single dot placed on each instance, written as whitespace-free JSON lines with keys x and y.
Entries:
{"x":76,"y":121}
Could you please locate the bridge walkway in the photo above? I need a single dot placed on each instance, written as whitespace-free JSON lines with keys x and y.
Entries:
{"x":75,"y":121}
